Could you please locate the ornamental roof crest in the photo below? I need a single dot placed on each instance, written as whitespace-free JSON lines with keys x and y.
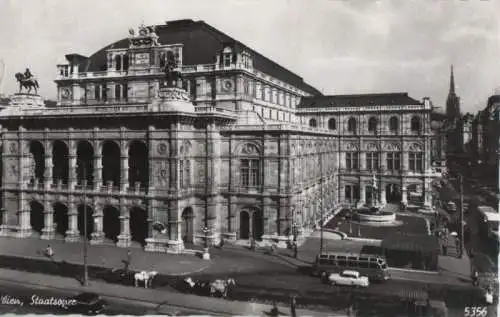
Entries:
{"x":145,"y":36}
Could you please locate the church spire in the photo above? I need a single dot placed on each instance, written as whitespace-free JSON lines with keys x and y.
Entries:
{"x":452,"y":81}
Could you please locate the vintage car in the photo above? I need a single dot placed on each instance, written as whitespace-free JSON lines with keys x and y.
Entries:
{"x":348,"y":278}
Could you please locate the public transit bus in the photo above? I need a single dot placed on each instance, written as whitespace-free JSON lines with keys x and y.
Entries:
{"x":373,"y":266}
{"x":488,"y":220}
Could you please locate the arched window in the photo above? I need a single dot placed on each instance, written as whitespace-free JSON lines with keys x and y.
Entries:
{"x":415,"y":124}
{"x":250,"y":167}
{"x":372,"y":124}
{"x":313,"y":123}
{"x":332,"y":124}
{"x":118,"y":62}
{"x":393,"y":124}
{"x":351,"y":125}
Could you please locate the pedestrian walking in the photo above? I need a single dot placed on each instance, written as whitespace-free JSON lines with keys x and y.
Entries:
{"x":445,"y":248}
{"x":275,"y":310}
{"x":295,"y":249}
{"x":252,"y":244}
{"x":49,"y":252}
{"x":293,"y":306}
{"x":475,"y":278}
{"x":128,"y":260}
{"x":221,"y":244}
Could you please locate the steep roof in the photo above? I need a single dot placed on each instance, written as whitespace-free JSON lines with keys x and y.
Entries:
{"x":202,"y":43}
{"x":400,"y":98}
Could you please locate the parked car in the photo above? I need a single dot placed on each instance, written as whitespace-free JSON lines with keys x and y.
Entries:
{"x":348,"y":278}
{"x":87,"y":303}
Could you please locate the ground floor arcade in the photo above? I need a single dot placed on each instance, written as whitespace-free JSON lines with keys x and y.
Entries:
{"x":366,"y":190}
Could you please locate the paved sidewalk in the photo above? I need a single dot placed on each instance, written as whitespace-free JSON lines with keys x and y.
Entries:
{"x":151,"y":296}
{"x":231,"y":259}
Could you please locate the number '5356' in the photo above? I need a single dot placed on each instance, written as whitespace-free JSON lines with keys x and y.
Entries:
{"x":476,"y":311}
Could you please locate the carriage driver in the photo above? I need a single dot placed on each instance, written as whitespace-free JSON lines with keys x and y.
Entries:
{"x":27,"y":74}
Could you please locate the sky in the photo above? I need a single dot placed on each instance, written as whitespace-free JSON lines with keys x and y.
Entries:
{"x":338,"y":46}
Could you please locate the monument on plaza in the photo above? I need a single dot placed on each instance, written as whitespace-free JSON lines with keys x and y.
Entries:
{"x":27,"y":81}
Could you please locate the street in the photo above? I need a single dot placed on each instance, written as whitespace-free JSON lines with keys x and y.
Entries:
{"x":117,"y":306}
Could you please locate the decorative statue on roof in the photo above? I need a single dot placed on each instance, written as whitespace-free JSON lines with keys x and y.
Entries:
{"x":27,"y":81}
{"x":173,"y":77}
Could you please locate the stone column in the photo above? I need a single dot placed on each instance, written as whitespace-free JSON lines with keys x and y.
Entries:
{"x":362,"y":193}
{"x":124,"y":239}
{"x":124,"y":171}
{"x":72,"y":234}
{"x":404,"y":196}
{"x":47,"y":174}
{"x":97,"y":235}
{"x":383,"y":161}
{"x":97,"y":166}
{"x":72,"y":165}
{"x":48,"y":231}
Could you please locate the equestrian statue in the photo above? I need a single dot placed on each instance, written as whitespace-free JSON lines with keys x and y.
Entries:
{"x":27,"y":80}
{"x":173,"y":77}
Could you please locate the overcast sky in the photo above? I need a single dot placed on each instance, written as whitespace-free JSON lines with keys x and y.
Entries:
{"x":340,"y":47}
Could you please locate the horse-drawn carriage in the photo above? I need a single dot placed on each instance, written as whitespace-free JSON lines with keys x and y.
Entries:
{"x":218,"y":287}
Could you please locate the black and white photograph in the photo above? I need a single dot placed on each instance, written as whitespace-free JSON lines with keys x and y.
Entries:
{"x":250,"y":157}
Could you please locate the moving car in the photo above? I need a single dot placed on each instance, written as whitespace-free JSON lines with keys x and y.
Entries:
{"x":350,"y":278}
{"x":87,"y":303}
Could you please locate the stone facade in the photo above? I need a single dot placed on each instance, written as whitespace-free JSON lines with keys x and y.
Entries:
{"x":229,"y":153}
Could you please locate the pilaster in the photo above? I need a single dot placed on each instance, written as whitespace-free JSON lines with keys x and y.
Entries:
{"x":97,"y":160}
{"x":72,"y":234}
{"x":97,"y":235}
{"x":48,"y":231}
{"x":124,"y":239}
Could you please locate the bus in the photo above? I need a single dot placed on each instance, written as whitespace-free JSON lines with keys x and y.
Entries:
{"x":373,"y":266}
{"x":487,"y":221}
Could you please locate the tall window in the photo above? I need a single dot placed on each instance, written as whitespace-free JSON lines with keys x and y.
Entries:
{"x":394,"y":161}
{"x":313,"y":123}
{"x":393,"y":124}
{"x":352,"y":160}
{"x":125,"y":62}
{"x":100,"y":92}
{"x":118,"y":62}
{"x":372,"y":125}
{"x":372,"y":160}
{"x":184,"y":173}
{"x":415,"y":124}
{"x":332,"y":124}
{"x":118,"y":91}
{"x":416,"y":161}
{"x":351,"y":125}
{"x":227,"y":57}
{"x":250,"y":173}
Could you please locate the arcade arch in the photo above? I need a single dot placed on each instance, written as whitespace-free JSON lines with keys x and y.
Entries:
{"x":61,"y":219}
{"x":138,"y":225}
{"x":187,"y":225}
{"x":36,"y":216}
{"x":85,"y":162}
{"x":111,"y":163}
{"x":251,"y":224}
{"x":60,"y":169}
{"x":38,"y":160}
{"x":138,"y":166}
{"x":111,"y":223}
{"x":393,"y":193}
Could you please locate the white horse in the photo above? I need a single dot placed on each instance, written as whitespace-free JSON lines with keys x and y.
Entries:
{"x":146,"y":277}
{"x":222,"y":286}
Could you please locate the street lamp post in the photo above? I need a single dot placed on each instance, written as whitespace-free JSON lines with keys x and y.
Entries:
{"x":85,"y":240}
{"x":460,"y":179}
{"x":206,"y":254}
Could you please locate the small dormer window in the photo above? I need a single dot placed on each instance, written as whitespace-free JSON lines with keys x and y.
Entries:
{"x":227,"y":56}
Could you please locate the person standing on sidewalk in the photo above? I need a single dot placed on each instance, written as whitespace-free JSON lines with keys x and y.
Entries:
{"x":293,"y":306}
{"x":295,"y":249}
{"x":128,"y":260}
